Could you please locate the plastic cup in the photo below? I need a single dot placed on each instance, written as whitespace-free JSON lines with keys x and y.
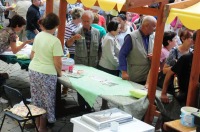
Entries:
{"x":70,"y":70}
{"x":114,"y":126}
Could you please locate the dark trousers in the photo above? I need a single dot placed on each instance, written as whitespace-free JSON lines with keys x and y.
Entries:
{"x":83,"y":104}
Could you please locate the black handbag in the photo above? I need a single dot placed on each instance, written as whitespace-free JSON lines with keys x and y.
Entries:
{"x":161,"y":78}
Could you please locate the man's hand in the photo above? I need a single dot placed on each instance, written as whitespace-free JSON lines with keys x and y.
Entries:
{"x":73,"y":38}
{"x":164,"y":98}
{"x":146,"y":85}
{"x":125,"y":75}
{"x":77,"y":37}
{"x":150,"y":56}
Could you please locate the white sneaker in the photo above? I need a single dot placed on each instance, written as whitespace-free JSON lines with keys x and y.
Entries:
{"x":3,"y":101}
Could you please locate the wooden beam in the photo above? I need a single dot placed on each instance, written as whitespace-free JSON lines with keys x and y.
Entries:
{"x":139,"y":3}
{"x":194,"y":75}
{"x":155,"y":61}
{"x":49,"y":6}
{"x":62,"y":16}
{"x":144,"y":11}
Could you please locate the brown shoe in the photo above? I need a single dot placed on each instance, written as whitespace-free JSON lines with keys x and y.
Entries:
{"x":4,"y":75}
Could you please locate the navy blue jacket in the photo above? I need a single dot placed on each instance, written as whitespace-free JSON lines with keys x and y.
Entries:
{"x":32,"y":17}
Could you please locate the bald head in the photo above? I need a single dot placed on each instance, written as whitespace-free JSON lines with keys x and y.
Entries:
{"x":148,"y":25}
{"x":148,"y":19}
{"x":87,"y":19}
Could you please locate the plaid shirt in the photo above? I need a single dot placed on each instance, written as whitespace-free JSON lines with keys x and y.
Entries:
{"x":88,"y":36}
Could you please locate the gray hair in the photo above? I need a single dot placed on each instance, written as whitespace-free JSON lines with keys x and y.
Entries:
{"x":77,"y":12}
{"x":89,"y":13}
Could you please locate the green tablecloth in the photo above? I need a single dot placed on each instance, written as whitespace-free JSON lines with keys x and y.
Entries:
{"x":13,"y":59}
{"x":94,"y":83}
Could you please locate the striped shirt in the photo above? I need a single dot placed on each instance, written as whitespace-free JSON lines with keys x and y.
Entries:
{"x":70,"y":29}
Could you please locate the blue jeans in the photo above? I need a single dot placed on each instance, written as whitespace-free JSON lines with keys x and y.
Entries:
{"x":30,"y":35}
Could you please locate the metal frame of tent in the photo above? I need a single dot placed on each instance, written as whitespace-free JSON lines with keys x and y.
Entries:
{"x":161,"y":12}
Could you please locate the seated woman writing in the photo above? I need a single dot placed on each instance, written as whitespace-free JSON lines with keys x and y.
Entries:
{"x":8,"y":39}
{"x":8,"y":35}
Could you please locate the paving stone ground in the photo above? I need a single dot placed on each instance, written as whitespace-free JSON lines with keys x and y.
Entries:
{"x":19,"y":79}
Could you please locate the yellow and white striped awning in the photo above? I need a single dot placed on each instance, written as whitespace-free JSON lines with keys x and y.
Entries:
{"x":106,"y":5}
{"x":189,"y":17}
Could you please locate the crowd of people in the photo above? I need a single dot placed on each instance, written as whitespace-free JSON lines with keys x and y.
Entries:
{"x":123,"y":47}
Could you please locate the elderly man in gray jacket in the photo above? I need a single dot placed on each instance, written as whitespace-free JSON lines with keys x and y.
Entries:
{"x":135,"y":54}
{"x":86,"y":41}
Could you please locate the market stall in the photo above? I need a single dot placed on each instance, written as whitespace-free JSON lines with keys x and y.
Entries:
{"x":132,"y":6}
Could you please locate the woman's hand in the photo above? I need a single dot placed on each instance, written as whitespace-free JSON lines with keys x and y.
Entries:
{"x":28,"y":41}
{"x":58,"y":65}
{"x":9,"y":8}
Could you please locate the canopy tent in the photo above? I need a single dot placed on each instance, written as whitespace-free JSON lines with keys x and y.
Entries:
{"x":106,"y":5}
{"x":189,"y":14}
{"x":162,"y":14}
{"x":136,"y":6}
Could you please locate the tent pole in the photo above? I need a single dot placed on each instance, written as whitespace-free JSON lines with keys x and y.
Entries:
{"x":194,"y":75}
{"x":155,"y":62}
{"x":49,"y":6}
{"x":62,"y":17}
